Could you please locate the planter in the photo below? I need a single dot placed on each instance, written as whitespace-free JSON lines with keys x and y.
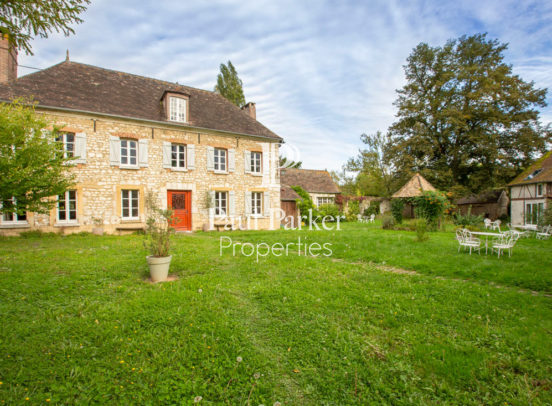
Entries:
{"x":159,"y":267}
{"x":98,"y":231}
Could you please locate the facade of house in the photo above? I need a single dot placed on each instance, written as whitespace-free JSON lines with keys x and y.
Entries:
{"x":531,"y":191}
{"x":318,"y":183}
{"x":491,"y":204}
{"x":199,"y":154}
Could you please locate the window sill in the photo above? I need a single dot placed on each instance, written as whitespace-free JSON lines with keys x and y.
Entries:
{"x":23,"y":224}
{"x":130,"y":220}
{"x":220,"y":172}
{"x":134,"y":168}
{"x":179,"y":169}
{"x":259,"y":174}
{"x":68,"y":224}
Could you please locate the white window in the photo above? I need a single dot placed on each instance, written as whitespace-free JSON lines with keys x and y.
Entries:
{"x":12,"y":218}
{"x":68,"y":140}
{"x":221,"y":203}
{"x":220,"y":160}
{"x":540,"y":189}
{"x":178,"y":156}
{"x":325,"y":200}
{"x":67,"y":207}
{"x":256,"y":203}
{"x":129,"y":204}
{"x":533,"y":212}
{"x":129,"y":152}
{"x":177,"y":107}
{"x":256,"y":162}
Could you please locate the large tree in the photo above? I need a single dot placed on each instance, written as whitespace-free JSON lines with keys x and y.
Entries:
{"x":229,"y":85}
{"x":32,"y":163}
{"x":373,"y":174}
{"x":22,"y":19}
{"x":464,"y":119}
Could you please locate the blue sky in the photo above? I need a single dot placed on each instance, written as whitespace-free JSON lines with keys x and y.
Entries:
{"x":321,"y":72}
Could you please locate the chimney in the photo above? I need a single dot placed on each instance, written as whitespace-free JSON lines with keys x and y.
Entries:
{"x":250,"y":109}
{"x":8,"y":60}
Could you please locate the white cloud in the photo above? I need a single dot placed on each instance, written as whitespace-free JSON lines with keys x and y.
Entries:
{"x":320,"y":72}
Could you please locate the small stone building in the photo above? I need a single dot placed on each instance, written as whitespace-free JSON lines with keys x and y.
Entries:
{"x":413,"y":188}
{"x":200,"y":155}
{"x":318,"y":183}
{"x":491,"y":204}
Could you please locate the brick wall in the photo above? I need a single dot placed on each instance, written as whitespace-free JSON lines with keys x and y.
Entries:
{"x":8,"y":60}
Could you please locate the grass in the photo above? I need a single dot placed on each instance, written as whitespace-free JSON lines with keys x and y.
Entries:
{"x":80,"y":326}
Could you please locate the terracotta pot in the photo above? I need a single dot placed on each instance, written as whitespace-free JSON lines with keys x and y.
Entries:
{"x":159,"y":267}
{"x":98,"y":230}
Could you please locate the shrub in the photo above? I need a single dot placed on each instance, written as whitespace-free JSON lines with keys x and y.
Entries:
{"x":387,"y":222}
{"x":467,"y":220}
{"x":397,"y":206}
{"x":158,"y":228}
{"x":305,"y":203}
{"x":546,"y":218}
{"x":329,"y":210}
{"x":431,"y":205}
{"x":374,"y":208}
{"x":421,"y":230}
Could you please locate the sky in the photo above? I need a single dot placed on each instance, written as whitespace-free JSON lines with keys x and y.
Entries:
{"x":320,"y":72}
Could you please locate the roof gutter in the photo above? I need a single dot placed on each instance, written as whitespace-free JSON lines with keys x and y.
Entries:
{"x":144,"y":120}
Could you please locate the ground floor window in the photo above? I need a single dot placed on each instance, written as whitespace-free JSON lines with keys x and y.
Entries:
{"x":325,"y":200}
{"x":129,"y":204}
{"x":256,"y":203}
{"x":533,"y":212}
{"x":67,"y":206}
{"x":221,"y":203}
{"x":12,"y":218}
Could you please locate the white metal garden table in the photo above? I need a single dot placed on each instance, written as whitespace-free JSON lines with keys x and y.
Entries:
{"x":486,"y":234}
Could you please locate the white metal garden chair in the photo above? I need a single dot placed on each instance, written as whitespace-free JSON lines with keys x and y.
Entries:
{"x":466,"y":240}
{"x":360,"y":218}
{"x":372,"y":218}
{"x":487,"y":223}
{"x":495,"y":225}
{"x":544,"y":233}
{"x":506,"y":242}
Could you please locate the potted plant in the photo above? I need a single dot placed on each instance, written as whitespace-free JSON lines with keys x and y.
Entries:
{"x":158,"y":239}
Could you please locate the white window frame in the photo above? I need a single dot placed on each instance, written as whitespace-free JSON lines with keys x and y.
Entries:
{"x":129,"y":145}
{"x":178,"y":109}
{"x":63,"y":138}
{"x":321,"y":200}
{"x":133,"y":203}
{"x":257,"y":204}
{"x":540,"y":192}
{"x":178,"y":156}
{"x":67,"y":207}
{"x":256,"y":162}
{"x":221,"y":203}
{"x":220,"y":160}
{"x":14,"y":217}
{"x":530,"y":208}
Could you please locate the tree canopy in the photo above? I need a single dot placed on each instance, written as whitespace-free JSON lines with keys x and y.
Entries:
{"x":289,"y":163}
{"x":229,"y":85}
{"x":22,"y":19}
{"x":465,"y":120}
{"x":32,"y":164}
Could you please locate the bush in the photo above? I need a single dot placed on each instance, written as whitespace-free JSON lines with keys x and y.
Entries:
{"x":421,"y":230}
{"x":387,"y":222}
{"x":305,"y":203}
{"x":374,"y":208}
{"x":431,"y":205}
{"x":397,"y":206}
{"x":546,"y":218}
{"x":329,"y":210}
{"x":467,"y":220}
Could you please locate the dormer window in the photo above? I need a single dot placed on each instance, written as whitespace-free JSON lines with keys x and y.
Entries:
{"x":177,"y":109}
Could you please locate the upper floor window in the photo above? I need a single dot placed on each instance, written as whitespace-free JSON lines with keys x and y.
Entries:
{"x":178,"y":156}
{"x":540,"y":189}
{"x":256,"y":162}
{"x":177,"y":109}
{"x":68,"y":140}
{"x":12,"y":218}
{"x":67,"y":206}
{"x":129,"y":152}
{"x":220,"y":160}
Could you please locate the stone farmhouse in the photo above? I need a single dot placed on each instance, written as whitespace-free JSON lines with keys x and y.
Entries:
{"x":209,"y":160}
{"x":531,"y":191}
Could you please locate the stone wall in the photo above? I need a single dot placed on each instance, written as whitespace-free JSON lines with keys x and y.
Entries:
{"x":99,"y":183}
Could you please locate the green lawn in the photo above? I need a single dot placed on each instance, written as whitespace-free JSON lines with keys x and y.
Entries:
{"x":80,"y":326}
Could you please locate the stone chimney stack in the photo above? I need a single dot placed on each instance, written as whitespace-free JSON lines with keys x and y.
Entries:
{"x":250,"y":109}
{"x":8,"y":60}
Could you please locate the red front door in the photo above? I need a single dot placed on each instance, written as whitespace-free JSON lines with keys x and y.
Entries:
{"x":181,"y":203}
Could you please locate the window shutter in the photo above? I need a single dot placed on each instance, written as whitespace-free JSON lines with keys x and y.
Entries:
{"x":247,"y":203}
{"x":190,"y":151}
{"x":212,"y":200}
{"x":114,"y":150}
{"x":231,"y":204}
{"x":266,"y":196}
{"x":247,"y":161}
{"x":80,"y":148}
{"x":166,"y":154}
{"x":143,"y":153}
{"x":210,"y":158}
{"x":231,"y":160}
{"x":266,"y":164}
